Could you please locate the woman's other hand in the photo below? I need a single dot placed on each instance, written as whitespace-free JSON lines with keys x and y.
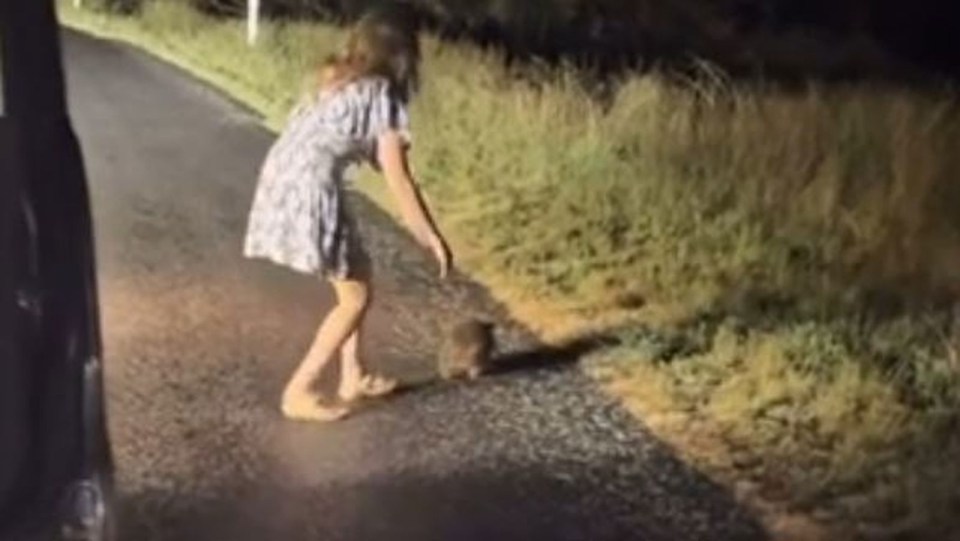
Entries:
{"x":441,"y":252}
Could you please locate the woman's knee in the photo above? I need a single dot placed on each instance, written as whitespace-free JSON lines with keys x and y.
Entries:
{"x":353,"y":295}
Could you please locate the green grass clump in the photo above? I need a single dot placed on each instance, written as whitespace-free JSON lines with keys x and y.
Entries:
{"x":857,"y":420}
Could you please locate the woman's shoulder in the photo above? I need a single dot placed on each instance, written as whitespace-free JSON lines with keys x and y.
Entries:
{"x":367,"y":87}
{"x":356,"y":93}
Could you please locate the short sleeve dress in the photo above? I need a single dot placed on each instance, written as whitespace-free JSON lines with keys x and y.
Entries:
{"x":299,"y":218}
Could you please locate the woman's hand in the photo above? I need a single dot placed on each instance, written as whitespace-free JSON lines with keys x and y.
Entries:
{"x":441,"y":252}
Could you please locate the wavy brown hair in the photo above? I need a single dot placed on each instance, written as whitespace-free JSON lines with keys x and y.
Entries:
{"x":382,"y":44}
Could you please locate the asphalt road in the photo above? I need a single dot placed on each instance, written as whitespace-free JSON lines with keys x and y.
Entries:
{"x":199,"y":342}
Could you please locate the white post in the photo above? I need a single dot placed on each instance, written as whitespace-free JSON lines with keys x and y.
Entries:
{"x":77,"y":3}
{"x":253,"y":20}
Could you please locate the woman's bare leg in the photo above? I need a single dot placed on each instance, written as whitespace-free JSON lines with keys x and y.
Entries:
{"x":351,"y":367}
{"x":355,"y":381}
{"x":343,"y":321}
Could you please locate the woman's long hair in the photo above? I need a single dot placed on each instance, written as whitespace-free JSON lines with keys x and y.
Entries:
{"x":382,"y":44}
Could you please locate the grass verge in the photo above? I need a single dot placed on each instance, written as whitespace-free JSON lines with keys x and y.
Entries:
{"x":765,"y":256}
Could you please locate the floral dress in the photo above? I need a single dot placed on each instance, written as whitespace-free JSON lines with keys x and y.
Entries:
{"x":298,"y":218}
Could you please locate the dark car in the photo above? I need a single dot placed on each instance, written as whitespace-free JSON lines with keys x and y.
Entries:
{"x":55,"y":463}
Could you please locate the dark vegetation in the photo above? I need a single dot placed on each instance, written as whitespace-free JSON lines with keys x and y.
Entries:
{"x":776,"y":39}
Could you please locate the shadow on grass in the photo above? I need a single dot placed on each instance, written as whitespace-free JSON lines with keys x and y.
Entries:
{"x":550,"y":357}
{"x":530,"y":359}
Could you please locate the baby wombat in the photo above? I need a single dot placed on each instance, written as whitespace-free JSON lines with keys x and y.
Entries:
{"x":466,"y":350}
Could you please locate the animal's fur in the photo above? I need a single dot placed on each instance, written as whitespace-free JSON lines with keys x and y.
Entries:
{"x":467,"y":350}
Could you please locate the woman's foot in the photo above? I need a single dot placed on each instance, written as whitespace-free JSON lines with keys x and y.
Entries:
{"x":368,"y":386}
{"x":308,"y":408}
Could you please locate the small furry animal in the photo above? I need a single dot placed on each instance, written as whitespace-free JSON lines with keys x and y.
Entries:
{"x":467,"y":350}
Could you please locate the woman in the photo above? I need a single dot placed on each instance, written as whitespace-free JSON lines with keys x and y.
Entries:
{"x":299,"y":218}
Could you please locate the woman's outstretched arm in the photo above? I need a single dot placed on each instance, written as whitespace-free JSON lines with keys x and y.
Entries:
{"x":392,"y":159}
